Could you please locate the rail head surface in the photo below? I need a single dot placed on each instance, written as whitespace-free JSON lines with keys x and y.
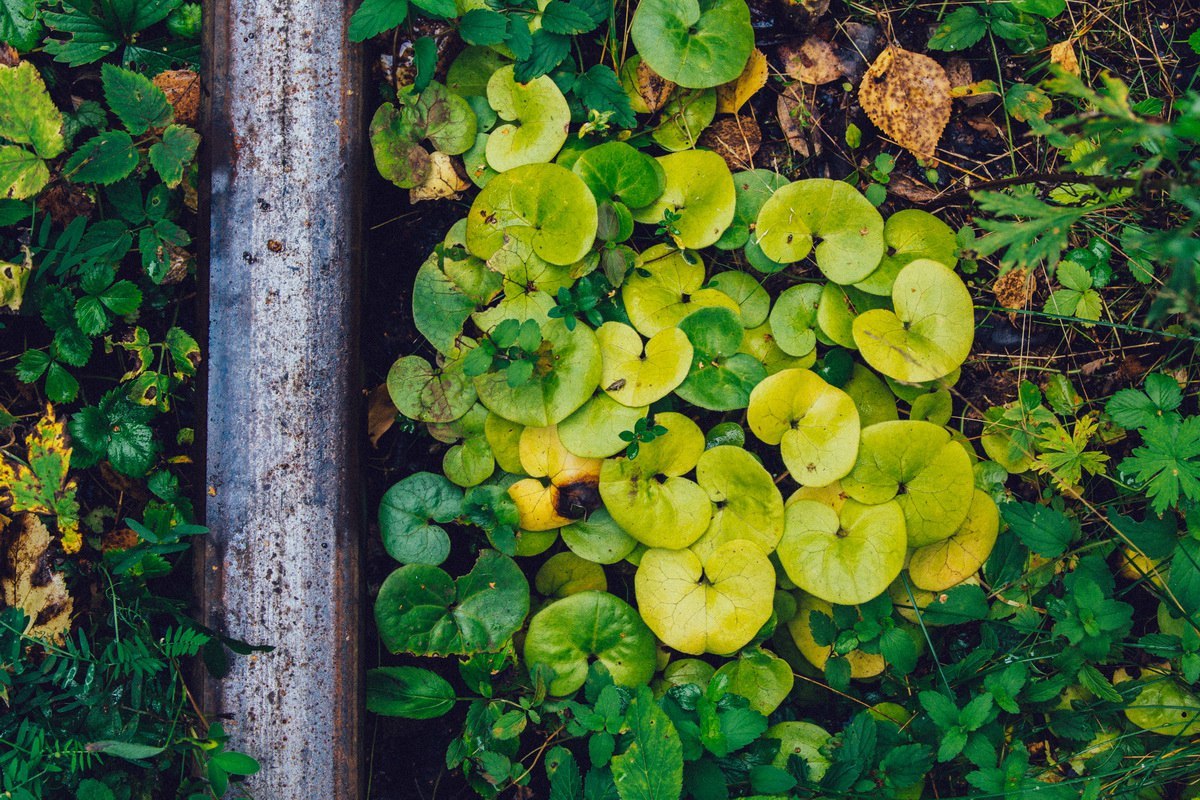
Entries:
{"x":280,"y":566}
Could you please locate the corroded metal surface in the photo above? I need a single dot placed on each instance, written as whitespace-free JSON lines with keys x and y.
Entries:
{"x":280,"y":566}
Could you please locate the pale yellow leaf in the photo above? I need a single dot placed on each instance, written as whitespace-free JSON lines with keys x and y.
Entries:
{"x":907,"y":96}
{"x":735,"y":94}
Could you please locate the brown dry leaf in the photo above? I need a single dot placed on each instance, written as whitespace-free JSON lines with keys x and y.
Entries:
{"x":958,"y":71}
{"x":1063,"y":54}
{"x":985,"y":125}
{"x":653,"y":88}
{"x":381,"y":413}
{"x":735,"y":94}
{"x":9,"y":57}
{"x":1014,"y":289}
{"x":907,"y":96}
{"x":28,"y":582}
{"x":182,"y":88}
{"x":735,"y":139}
{"x":814,"y":61}
{"x":442,"y":183}
{"x":862,"y":44}
{"x":910,"y":189}
{"x":796,"y":118}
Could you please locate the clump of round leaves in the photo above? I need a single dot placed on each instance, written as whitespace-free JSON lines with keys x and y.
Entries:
{"x":537,"y":115}
{"x":746,"y":502}
{"x":816,"y":425}
{"x":694,"y":43}
{"x":569,"y":634}
{"x":846,"y":557}
{"x":565,"y":574}
{"x":435,"y":115}
{"x":838,"y":308}
{"x":794,"y":319}
{"x":448,"y":287}
{"x":848,"y":227}
{"x":721,"y":378}
{"x":762,"y":678}
{"x":923,"y":468}
{"x":713,"y":606}
{"x":648,"y":495}
{"x":699,"y":189}
{"x":426,"y":393}
{"x":931,"y":330}
{"x":564,"y":378}
{"x":665,"y":289}
{"x":636,"y":374}
{"x":760,"y":344}
{"x":411,"y":514}
{"x":910,"y":234}
{"x":752,"y":188}
{"x":598,"y":538}
{"x":938,"y":566}
{"x":594,"y":431}
{"x":548,"y":206}
{"x":422,"y":610}
{"x":469,"y":462}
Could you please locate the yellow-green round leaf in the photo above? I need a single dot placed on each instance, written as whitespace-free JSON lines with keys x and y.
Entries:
{"x":699,"y":188}
{"x":671,"y":290}
{"x":938,"y":566}
{"x":636,"y":374}
{"x":746,"y":502}
{"x":537,"y":118}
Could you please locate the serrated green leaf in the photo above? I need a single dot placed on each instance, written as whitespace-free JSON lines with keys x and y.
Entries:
{"x":61,"y":386}
{"x":546,"y":51}
{"x":444,"y":9}
{"x":31,"y":365}
{"x":137,"y":102}
{"x":20,"y":24}
{"x":374,"y":17}
{"x":170,"y":156}
{"x":566,"y":18}
{"x":599,"y":88}
{"x":122,"y":298}
{"x":22,"y":173}
{"x":1168,"y":462}
{"x":481,"y":26}
{"x":27,"y":114}
{"x":91,"y":316}
{"x":958,"y":31}
{"x":1044,"y":530}
{"x":651,"y":768}
{"x":103,"y":159}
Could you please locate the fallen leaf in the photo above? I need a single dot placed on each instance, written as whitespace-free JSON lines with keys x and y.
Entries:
{"x":735,"y":94}
{"x":735,"y":139}
{"x":1063,"y":54}
{"x":1014,"y":289}
{"x":442,"y":183}
{"x":13,"y":279}
{"x":796,"y":118}
{"x":862,"y":44}
{"x":971,"y":91}
{"x":1024,"y":102}
{"x":814,"y":61}
{"x":907,"y":96}
{"x":653,"y":88}
{"x":182,"y":88}
{"x":911,"y":190}
{"x":42,"y":487}
{"x":381,"y":413}
{"x":28,"y":582}
{"x":958,"y":71}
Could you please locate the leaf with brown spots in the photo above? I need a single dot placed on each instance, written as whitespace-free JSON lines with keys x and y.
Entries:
{"x":442,"y":183}
{"x":1014,"y":289}
{"x":907,"y":96}
{"x":653,"y":88}
{"x":814,"y":61}
{"x":796,"y":117}
{"x":28,"y":582}
{"x":40,"y":485}
{"x":735,"y":94}
{"x":1063,"y":54}
{"x":735,"y":139}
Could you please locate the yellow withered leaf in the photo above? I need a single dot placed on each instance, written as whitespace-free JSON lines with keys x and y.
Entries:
{"x":907,"y":96}
{"x":40,"y":485}
{"x":28,"y":582}
{"x":1063,"y":54}
{"x":443,"y":182}
{"x":735,"y":94}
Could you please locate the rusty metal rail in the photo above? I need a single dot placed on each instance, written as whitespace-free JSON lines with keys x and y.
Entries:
{"x":281,"y":564}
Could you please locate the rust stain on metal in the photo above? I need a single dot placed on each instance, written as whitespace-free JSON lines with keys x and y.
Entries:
{"x":283,"y":123}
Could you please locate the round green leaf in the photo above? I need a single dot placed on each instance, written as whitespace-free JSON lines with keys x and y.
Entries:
{"x":422,"y":392}
{"x":848,"y":227}
{"x":560,"y":384}
{"x":594,"y":431}
{"x":931,"y":331}
{"x":871,"y":397}
{"x":746,"y":502}
{"x":938,"y":566}
{"x":838,"y":308}
{"x":714,"y":606}
{"x":721,"y":378}
{"x":752,"y":188}
{"x":598,"y":538}
{"x":541,"y":116}
{"x":845,"y":558}
{"x":422,"y":610}
{"x":1166,"y":708}
{"x":565,"y":574}
{"x":699,"y":188}
{"x":794,"y":318}
{"x":504,"y":438}
{"x":409,"y":514}
{"x":620,"y":173}
{"x":684,"y":118}
{"x":760,"y":344}
{"x":762,"y":678}
{"x":637,"y":375}
{"x":815,"y":424}
{"x":648,"y":497}
{"x":547,"y":205}
{"x":747,"y":291}
{"x":472,"y":69}
{"x":918,"y":464}
{"x":569,"y":634}
{"x":694,"y":44}
{"x":910,"y":234}
{"x":802,"y":739}
{"x":669,"y":291}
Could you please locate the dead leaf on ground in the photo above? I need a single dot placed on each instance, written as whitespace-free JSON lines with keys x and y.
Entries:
{"x":9,"y":57}
{"x":735,"y":139}
{"x":182,"y":88}
{"x":653,"y":88}
{"x":796,"y":118}
{"x":28,"y":582}
{"x":907,"y":96}
{"x":985,"y":125}
{"x":735,"y":94}
{"x":1063,"y":54}
{"x":442,"y":183}
{"x":958,"y":71}
{"x":862,"y":45}
{"x":1014,"y":289}
{"x":911,"y":190}
{"x":813,"y":61}
{"x":381,"y":413}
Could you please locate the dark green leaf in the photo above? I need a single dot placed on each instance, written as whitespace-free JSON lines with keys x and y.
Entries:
{"x":103,"y":159}
{"x":566,"y":18}
{"x":599,"y":88}
{"x":20,"y":24}
{"x":170,"y":156}
{"x":1045,"y":530}
{"x":651,"y":768}
{"x":899,"y":650}
{"x":906,"y":764}
{"x":409,"y":692}
{"x":137,"y":102}
{"x":444,"y":9}
{"x":235,"y":763}
{"x":425,"y":59}
{"x":1184,"y":578}
{"x":374,"y":17}
{"x":547,"y":51}
{"x":563,"y":772}
{"x":958,"y":31}
{"x":481,"y":26}
{"x":31,"y":365}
